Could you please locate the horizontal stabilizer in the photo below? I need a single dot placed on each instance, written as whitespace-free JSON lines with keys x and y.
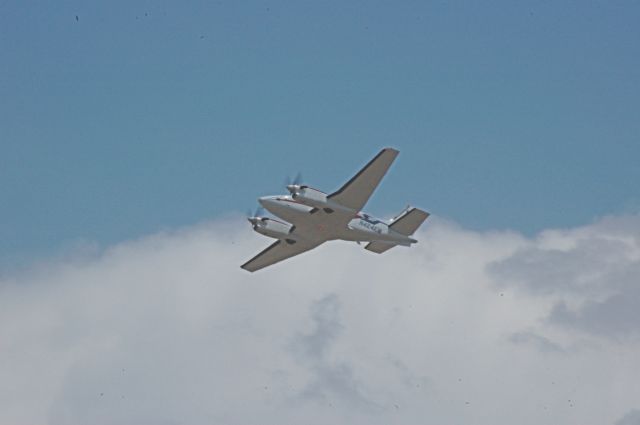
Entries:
{"x":379,"y":247}
{"x":409,"y":221}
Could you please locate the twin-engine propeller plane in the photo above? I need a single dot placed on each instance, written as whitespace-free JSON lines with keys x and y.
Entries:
{"x":312,"y":217}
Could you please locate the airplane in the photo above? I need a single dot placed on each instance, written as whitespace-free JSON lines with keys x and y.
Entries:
{"x":312,"y":217}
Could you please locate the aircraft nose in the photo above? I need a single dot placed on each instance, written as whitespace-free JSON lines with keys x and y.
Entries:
{"x":265,"y":201}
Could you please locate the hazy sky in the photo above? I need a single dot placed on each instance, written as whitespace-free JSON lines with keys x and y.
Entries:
{"x":145,"y":115}
{"x":134,"y":134}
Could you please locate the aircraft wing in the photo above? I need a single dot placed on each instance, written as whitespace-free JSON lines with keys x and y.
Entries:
{"x":277,"y":252}
{"x":356,"y":192}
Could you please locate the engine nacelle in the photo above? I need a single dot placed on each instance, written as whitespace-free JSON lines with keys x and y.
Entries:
{"x":273,"y":228}
{"x":311,"y":197}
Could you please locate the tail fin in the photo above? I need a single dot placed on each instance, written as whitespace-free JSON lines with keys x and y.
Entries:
{"x":408,"y":221}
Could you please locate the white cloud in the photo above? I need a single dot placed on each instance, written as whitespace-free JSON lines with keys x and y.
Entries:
{"x":466,"y":327}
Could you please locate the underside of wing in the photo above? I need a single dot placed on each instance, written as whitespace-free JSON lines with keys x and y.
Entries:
{"x":356,"y":192}
{"x":276,"y":252}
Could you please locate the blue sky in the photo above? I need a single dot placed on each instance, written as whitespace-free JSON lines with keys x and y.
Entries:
{"x":142,"y":115}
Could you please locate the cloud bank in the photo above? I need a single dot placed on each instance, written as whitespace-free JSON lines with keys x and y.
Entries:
{"x":466,"y":327}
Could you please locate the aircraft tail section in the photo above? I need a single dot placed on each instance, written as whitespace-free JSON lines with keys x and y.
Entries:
{"x":408,"y":221}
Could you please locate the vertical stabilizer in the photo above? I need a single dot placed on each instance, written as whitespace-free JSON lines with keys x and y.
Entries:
{"x":409,"y":221}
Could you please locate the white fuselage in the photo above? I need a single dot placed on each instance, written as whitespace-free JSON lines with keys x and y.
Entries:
{"x":316,"y":224}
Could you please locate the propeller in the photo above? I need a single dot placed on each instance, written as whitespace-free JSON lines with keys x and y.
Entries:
{"x":256,"y":216}
{"x":297,"y":180}
{"x":293,"y":186}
